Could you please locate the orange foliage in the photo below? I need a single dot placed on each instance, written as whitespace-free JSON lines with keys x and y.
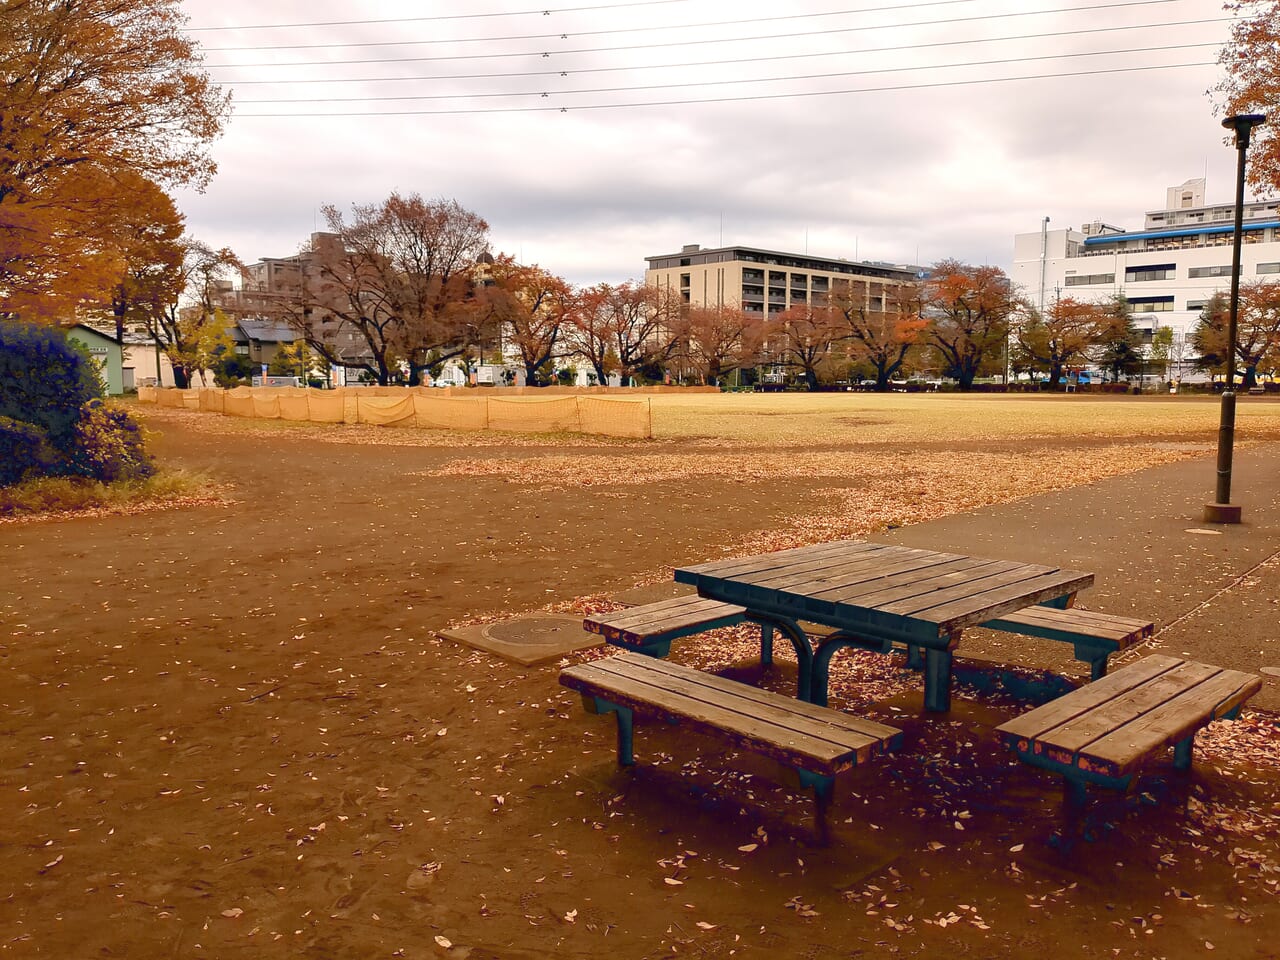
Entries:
{"x":97,"y":93}
{"x":1251,"y":62}
{"x":883,"y":323}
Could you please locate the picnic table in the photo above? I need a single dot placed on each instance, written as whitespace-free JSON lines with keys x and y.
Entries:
{"x":875,"y":595}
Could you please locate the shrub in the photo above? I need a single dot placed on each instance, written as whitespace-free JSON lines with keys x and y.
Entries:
{"x":109,"y":446}
{"x":24,"y":451}
{"x":52,"y":418}
{"x":45,"y":381}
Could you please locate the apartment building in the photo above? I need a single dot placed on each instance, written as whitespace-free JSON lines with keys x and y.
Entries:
{"x":1167,"y":270}
{"x":280,"y":293}
{"x":764,"y":282}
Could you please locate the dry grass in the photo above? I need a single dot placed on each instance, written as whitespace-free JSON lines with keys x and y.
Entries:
{"x":863,"y":418}
{"x":64,"y":497}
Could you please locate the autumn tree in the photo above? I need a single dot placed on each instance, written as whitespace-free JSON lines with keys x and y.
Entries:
{"x":716,"y":340}
{"x":625,"y":328}
{"x":1251,"y":83}
{"x":969,"y":311}
{"x":809,"y":335}
{"x":182,"y":308}
{"x":151,"y":249}
{"x":96,"y":94}
{"x":400,"y":275}
{"x":882,"y":324}
{"x":1161,"y":351}
{"x":1257,"y":331}
{"x":1062,"y":336}
{"x":533,"y":307}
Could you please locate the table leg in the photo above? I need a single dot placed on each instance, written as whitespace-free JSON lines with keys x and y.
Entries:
{"x":766,"y":645}
{"x":937,"y":680}
{"x":804,"y":650}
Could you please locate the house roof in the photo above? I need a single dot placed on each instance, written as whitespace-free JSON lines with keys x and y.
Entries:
{"x":85,"y":328}
{"x":265,"y":331}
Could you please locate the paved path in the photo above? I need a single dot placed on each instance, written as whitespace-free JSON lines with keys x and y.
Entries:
{"x":1213,"y":591}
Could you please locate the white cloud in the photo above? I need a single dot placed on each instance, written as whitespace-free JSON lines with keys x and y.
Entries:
{"x":948,"y":168}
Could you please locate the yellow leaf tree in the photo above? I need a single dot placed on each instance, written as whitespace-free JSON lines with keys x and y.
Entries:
{"x":96,"y":93}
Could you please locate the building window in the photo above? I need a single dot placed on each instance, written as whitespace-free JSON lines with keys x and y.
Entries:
{"x":684,"y":279}
{"x":1155,"y":271}
{"x":1222,"y":271}
{"x":1196,"y":304}
{"x":242,"y":349}
{"x":1151,"y":304}
{"x":1269,"y":268}
{"x":1089,"y":279}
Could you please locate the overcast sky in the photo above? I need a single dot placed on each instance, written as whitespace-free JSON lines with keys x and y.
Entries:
{"x":863,"y":129}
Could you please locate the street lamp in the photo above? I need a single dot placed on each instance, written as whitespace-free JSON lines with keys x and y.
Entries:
{"x":1222,"y":510}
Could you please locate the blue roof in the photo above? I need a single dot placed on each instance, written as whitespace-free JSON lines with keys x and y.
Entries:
{"x":1186,"y":232}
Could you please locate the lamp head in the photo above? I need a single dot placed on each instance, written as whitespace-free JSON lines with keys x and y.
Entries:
{"x":1243,"y":125}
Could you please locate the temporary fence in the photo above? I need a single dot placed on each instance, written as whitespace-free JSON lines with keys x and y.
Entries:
{"x":418,"y":407}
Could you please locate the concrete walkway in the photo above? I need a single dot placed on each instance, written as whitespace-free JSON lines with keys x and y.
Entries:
{"x":1213,"y":591}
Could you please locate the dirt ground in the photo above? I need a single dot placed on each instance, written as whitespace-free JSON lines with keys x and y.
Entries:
{"x":232,"y":732}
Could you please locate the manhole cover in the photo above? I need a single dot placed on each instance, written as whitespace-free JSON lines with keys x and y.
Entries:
{"x":535,"y":631}
{"x":528,"y":640}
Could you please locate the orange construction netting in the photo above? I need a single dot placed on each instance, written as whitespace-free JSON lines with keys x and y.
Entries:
{"x":421,"y":408}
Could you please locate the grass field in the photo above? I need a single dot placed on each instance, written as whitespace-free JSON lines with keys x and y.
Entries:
{"x":857,"y":418}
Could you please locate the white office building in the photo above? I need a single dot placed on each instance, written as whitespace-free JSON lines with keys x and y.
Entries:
{"x":1167,"y":270}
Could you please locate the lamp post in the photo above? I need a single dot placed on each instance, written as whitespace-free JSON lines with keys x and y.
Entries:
{"x":1222,"y":510}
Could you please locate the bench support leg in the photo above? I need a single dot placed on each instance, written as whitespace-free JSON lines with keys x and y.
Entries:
{"x":914,"y":660}
{"x":823,"y":787}
{"x":937,"y":680}
{"x":1074,"y":792}
{"x":766,"y":645}
{"x":626,"y":727}
{"x":1095,"y":658}
{"x":1182,"y":753}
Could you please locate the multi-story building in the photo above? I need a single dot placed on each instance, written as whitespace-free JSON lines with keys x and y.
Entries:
{"x":1167,"y":271}
{"x":277,"y":303}
{"x":763,"y":282}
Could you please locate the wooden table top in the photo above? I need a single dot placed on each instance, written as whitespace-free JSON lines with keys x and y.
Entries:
{"x":899,"y":592}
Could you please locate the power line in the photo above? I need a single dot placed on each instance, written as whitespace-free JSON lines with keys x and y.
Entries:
{"x":739,"y":61}
{"x":542,"y":11}
{"x":560,"y":35}
{"x":689,"y":43}
{"x":716,"y":83}
{"x":742,"y":99}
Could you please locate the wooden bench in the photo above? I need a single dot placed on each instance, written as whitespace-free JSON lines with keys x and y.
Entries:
{"x":816,"y":742}
{"x":1103,"y":732}
{"x":1095,"y":636}
{"x":651,"y":628}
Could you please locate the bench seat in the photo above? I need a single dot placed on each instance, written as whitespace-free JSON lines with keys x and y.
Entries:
{"x":815,"y":741}
{"x":1103,"y":732}
{"x":1095,"y":636}
{"x":651,"y":628}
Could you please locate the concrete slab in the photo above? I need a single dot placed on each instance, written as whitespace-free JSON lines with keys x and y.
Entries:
{"x":527,"y":640}
{"x":652,"y":593}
